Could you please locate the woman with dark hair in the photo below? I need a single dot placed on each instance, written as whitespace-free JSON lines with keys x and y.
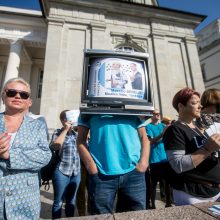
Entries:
{"x":190,"y":153}
{"x":66,"y":177}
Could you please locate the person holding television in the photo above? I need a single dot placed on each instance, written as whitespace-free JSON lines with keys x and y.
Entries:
{"x":116,"y":160}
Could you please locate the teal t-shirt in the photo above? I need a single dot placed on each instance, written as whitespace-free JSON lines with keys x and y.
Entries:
{"x":157,"y":151}
{"x":114,"y":142}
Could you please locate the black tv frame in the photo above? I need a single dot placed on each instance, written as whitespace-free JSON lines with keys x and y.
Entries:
{"x":109,"y":105}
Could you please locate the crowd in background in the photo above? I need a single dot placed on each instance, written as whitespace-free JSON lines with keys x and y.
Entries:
{"x":119,"y":159}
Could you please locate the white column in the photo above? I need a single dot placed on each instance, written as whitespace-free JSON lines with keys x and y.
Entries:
{"x":13,"y":60}
{"x":13,"y":63}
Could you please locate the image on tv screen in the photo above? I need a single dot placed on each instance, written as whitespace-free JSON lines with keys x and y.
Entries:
{"x":117,"y":78}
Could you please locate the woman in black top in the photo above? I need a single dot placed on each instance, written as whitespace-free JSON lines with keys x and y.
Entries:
{"x":191,"y":153}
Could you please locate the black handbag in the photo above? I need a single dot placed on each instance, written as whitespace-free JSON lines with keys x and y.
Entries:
{"x":47,"y":171}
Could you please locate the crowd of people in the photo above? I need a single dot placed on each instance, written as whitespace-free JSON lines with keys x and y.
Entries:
{"x":122,"y":158}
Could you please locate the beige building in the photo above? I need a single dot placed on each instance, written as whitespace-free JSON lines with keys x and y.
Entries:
{"x":55,"y":64}
{"x":209,"y":53}
{"x":23,"y":35}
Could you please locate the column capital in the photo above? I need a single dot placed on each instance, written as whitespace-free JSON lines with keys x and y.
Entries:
{"x":14,"y":41}
{"x":14,"y":59}
{"x":190,"y":39}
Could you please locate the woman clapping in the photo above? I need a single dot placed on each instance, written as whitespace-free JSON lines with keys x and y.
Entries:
{"x":24,"y":151}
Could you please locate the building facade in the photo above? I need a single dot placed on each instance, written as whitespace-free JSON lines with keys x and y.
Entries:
{"x":209,"y":54}
{"x":23,"y":35}
{"x":140,"y":25}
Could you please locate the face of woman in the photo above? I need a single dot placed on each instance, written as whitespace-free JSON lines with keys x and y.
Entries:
{"x":16,"y":101}
{"x":193,"y":107}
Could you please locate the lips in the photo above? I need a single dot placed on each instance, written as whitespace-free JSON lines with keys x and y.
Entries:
{"x":16,"y":102}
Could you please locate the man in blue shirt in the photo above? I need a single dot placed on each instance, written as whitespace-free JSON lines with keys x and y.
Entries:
{"x":116,"y":160}
{"x":158,"y":158}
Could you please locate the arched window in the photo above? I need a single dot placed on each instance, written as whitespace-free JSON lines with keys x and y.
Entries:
{"x":126,"y":49}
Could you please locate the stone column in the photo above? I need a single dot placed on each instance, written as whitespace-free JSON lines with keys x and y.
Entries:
{"x":13,"y":63}
{"x":194,"y":64}
{"x":54,"y":75}
{"x":98,"y":35}
{"x":13,"y":60}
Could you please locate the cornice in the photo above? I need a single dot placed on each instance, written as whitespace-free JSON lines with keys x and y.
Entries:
{"x":98,"y":26}
{"x":212,"y":45}
{"x":190,"y":39}
{"x":20,"y":19}
{"x":32,"y":34}
{"x":20,"y":11}
{"x":69,"y":8}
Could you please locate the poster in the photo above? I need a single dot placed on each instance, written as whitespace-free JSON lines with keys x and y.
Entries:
{"x":117,"y":78}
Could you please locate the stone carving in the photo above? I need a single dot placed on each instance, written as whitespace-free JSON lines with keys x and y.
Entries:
{"x":138,"y":42}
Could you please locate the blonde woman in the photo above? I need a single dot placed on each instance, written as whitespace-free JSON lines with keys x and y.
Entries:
{"x":24,"y":151}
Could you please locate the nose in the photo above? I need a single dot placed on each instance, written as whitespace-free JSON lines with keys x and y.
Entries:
{"x":17,"y":96}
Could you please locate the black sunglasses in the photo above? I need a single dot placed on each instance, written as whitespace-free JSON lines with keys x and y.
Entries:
{"x":12,"y":93}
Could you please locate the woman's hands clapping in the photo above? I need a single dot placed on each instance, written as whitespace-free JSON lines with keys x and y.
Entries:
{"x":4,"y":145}
{"x":213,"y":143}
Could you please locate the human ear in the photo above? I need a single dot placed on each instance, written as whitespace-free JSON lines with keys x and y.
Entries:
{"x":180,"y":106}
{"x":30,"y":103}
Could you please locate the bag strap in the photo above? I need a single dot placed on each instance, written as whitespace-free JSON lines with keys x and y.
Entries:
{"x":46,"y":185}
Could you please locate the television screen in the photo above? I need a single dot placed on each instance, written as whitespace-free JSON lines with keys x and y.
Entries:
{"x":116,"y":83}
{"x":116,"y":78}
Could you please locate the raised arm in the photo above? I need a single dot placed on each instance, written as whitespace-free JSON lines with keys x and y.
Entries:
{"x":58,"y":140}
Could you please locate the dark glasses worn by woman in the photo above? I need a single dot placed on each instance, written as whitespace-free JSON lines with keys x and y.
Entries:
{"x":12,"y":93}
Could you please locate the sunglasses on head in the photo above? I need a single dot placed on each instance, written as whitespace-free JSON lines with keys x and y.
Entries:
{"x":12,"y":93}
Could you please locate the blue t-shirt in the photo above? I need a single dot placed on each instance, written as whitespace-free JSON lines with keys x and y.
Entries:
{"x":114,"y":142}
{"x":157,"y":151}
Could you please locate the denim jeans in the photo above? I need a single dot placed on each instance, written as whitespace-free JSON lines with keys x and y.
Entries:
{"x":65,"y":189}
{"x":130,"y":189}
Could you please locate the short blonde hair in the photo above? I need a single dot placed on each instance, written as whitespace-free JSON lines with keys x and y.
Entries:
{"x":19,"y":80}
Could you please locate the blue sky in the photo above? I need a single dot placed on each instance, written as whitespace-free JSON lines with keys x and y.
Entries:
{"x":211,"y":8}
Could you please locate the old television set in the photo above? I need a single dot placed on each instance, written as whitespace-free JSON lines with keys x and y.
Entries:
{"x":116,"y":82}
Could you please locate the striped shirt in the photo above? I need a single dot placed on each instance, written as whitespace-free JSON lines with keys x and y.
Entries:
{"x":69,"y":156}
